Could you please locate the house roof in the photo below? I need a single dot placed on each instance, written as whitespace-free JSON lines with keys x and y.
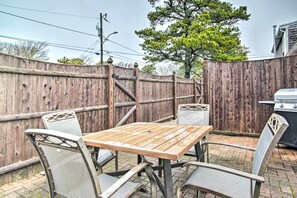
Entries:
{"x":293,"y":50}
{"x":280,"y":33}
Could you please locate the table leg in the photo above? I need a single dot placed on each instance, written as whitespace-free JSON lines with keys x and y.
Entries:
{"x":168,"y":184}
{"x":198,"y":152}
{"x":96,"y":150}
{"x":116,"y":160}
{"x":160,"y":163}
{"x":138,"y":162}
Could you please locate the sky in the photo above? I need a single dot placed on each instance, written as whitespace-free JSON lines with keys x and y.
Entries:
{"x":257,"y":32}
{"x":124,"y":17}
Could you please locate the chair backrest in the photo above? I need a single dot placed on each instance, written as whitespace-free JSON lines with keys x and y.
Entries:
{"x":66,"y":162}
{"x":272,"y":132}
{"x":194,"y":114}
{"x":65,"y":121}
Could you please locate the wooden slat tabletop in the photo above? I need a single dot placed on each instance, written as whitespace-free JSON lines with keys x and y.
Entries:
{"x":162,"y":140}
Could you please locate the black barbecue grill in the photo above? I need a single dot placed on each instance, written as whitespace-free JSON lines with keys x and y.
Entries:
{"x":285,"y":104}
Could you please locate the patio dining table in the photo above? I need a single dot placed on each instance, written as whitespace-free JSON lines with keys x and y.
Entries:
{"x":166,"y":141}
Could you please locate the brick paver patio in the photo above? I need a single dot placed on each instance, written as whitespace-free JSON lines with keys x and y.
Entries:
{"x":280,"y":176}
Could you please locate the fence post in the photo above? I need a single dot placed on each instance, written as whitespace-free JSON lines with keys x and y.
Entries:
{"x":204,"y":81}
{"x":195,"y":90}
{"x":110,"y":94}
{"x":174,"y":96}
{"x":137,"y":92}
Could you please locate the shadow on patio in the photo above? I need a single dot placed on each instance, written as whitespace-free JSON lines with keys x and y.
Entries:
{"x":280,"y":176}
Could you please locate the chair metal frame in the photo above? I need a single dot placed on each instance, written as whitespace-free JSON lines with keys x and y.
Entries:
{"x":272,"y":132}
{"x":68,"y":123}
{"x":60,"y":140}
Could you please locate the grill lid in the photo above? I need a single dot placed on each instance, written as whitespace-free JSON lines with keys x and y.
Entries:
{"x":286,"y":100}
{"x":286,"y":96}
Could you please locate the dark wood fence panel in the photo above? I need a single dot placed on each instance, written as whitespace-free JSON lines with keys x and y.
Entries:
{"x":26,"y":95}
{"x":155,"y":97}
{"x":30,"y":89}
{"x":234,"y":89}
{"x":186,"y":91}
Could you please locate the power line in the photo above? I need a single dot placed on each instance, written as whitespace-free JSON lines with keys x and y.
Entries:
{"x":94,"y":44}
{"x":90,"y":50}
{"x":108,"y":53}
{"x":23,"y":39}
{"x":59,"y":13}
{"x":125,"y":59}
{"x":65,"y":14}
{"x":56,"y":26}
{"x":58,"y":45}
{"x":43,"y":11}
{"x":69,"y":48}
{"x":125,"y":47}
{"x":89,"y":55}
{"x":130,"y":34}
{"x":126,"y":33}
{"x":68,"y":29}
{"x":115,"y":52}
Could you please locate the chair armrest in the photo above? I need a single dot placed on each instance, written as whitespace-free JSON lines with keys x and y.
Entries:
{"x":227,"y":170}
{"x":112,"y":189}
{"x":231,"y":145}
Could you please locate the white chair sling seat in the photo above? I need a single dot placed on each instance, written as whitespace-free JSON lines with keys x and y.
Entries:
{"x":127,"y":189}
{"x":211,"y":180}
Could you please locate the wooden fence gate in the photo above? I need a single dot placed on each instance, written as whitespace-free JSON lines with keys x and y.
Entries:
{"x":126,"y":91}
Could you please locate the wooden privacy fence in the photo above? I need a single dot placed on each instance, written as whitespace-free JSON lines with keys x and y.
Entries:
{"x":234,"y":89}
{"x":102,"y":96}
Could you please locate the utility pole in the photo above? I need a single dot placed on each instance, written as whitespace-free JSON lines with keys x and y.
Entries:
{"x":100,"y":34}
{"x":101,"y":39}
{"x":99,"y":29}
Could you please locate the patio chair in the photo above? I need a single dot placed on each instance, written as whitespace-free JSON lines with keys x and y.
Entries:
{"x":193,"y":114}
{"x":66,"y":121}
{"x":71,"y":173}
{"x":227,"y":182}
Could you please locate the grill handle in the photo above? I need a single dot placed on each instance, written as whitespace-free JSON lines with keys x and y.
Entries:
{"x":287,"y":99}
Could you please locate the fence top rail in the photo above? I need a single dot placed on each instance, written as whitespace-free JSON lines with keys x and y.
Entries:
{"x":23,"y":59}
{"x":25,"y":71}
{"x":251,"y":61}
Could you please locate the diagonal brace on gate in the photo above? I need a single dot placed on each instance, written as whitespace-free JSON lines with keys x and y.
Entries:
{"x":125,"y":118}
{"x":125,"y":90}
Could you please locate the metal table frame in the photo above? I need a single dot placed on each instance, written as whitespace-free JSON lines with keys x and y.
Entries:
{"x":193,"y":135}
{"x":166,"y":166}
